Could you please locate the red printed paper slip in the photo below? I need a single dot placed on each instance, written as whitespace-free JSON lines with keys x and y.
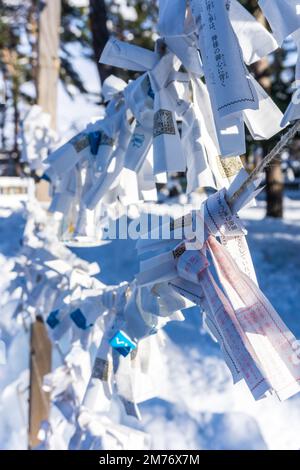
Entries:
{"x":223,"y":223}
{"x":273,"y":343}
{"x":190,"y":264}
{"x":233,"y":338}
{"x":238,"y":248}
{"x":229,"y":358}
{"x":259,"y":331}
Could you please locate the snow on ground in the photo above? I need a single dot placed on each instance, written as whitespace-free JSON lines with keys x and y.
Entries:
{"x":201,"y":409}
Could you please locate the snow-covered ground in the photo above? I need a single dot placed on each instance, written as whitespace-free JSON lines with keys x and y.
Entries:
{"x":200,"y":409}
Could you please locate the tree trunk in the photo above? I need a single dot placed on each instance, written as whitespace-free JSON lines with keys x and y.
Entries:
{"x":15,"y":97}
{"x":4,"y":106}
{"x":48,"y":58}
{"x":100,"y":34}
{"x":274,"y":189}
{"x":274,"y":175}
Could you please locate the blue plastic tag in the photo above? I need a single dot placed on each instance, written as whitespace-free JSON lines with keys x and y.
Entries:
{"x":52,"y":319}
{"x":122,"y":343}
{"x":94,"y":140}
{"x":46,"y":177}
{"x":79,"y":319}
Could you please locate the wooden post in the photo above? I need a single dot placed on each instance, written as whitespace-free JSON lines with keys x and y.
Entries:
{"x":48,"y":57}
{"x":40,"y":364}
{"x":48,"y":70}
{"x":47,"y":81}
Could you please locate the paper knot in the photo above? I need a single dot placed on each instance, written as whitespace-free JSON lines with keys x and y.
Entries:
{"x":219,"y":219}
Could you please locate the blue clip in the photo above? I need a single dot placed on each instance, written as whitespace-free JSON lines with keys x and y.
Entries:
{"x":79,"y":319}
{"x":94,"y":140}
{"x":151,"y":92}
{"x":52,"y":319}
{"x":122,"y":343}
{"x":46,"y":177}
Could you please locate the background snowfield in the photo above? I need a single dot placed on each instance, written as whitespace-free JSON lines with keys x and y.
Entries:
{"x":199,"y":408}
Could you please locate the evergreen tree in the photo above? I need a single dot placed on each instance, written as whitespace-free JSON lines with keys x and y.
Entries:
{"x":131,"y":21}
{"x":18,"y":58}
{"x":276,"y":77}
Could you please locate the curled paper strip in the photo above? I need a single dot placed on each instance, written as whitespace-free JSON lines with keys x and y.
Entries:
{"x":283,"y":16}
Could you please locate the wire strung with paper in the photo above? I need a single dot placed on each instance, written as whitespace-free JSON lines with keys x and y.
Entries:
{"x":49,"y":281}
{"x":170,"y":120}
